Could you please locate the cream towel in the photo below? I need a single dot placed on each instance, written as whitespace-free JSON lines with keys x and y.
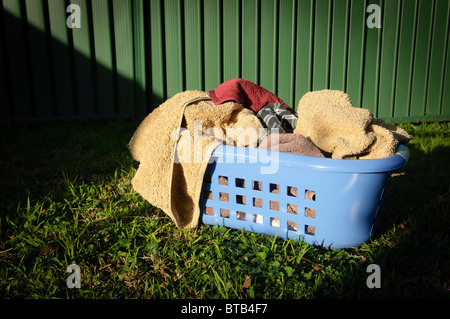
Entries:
{"x":387,"y":138}
{"x":173,"y":160}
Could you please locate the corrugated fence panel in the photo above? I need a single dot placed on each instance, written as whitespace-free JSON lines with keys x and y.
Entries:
{"x":16,"y":52}
{"x":355,"y":52}
{"x":174,"y":61}
{"x":82,"y":57}
{"x":437,"y":57}
{"x":339,"y":40}
{"x":286,"y":51}
{"x":388,"y":59}
{"x":123,"y":35}
{"x":231,"y":39}
{"x":140,"y":77}
{"x":405,"y":57}
{"x":321,"y":60}
{"x":4,"y":92}
{"x":155,"y":53}
{"x":212,"y":44}
{"x":128,"y":56}
{"x":103,"y":44}
{"x":250,"y":40}
{"x":371,"y":65}
{"x":304,"y":48}
{"x":60,"y":60}
{"x":39,"y":64}
{"x":421,"y":57}
{"x":268,"y":45}
{"x":193,"y":44}
{"x":445,"y":99}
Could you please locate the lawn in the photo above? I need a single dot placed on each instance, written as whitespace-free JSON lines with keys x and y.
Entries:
{"x":66,"y":199}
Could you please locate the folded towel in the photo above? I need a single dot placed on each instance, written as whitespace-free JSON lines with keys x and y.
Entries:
{"x":245,"y":93}
{"x":173,"y":145}
{"x":276,"y":116}
{"x":290,"y":143}
{"x":329,"y":119}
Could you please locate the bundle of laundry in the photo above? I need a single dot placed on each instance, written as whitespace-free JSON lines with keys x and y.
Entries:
{"x":175,"y":141}
{"x":333,"y":124}
{"x":174,"y":144}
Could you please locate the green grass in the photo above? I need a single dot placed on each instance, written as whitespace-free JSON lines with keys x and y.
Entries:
{"x":66,"y":198}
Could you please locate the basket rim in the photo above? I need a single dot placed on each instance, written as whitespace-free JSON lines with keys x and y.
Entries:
{"x":249,"y":155}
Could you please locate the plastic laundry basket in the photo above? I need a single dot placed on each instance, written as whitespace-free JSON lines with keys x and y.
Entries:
{"x":326,"y":202}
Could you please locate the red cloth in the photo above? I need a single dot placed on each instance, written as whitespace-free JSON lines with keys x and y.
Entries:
{"x":246,"y":93}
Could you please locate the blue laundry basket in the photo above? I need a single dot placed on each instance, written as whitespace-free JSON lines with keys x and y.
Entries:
{"x":327,"y":202}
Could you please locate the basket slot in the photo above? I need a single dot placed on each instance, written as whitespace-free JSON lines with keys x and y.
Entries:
{"x":225,"y":213}
{"x":275,"y":222}
{"x":274,"y":188}
{"x":241,"y":216}
{"x":240,"y":182}
{"x":209,"y":211}
{"x":257,"y":202}
{"x":274,"y":205}
{"x":224,"y":197}
{"x":240,"y":199}
{"x":207,"y":194}
{"x":292,"y":209}
{"x":292,"y":191}
{"x":310,"y":195}
{"x":258,"y":219}
{"x":257,"y":185}
{"x":310,"y":230}
{"x":207,"y":178}
{"x":223,"y":180}
{"x":310,"y":212}
{"x":292,"y":225}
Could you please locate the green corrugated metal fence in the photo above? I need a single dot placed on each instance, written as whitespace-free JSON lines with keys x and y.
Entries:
{"x":130,"y":55}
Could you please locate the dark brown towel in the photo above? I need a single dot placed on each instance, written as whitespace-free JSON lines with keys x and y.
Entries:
{"x":290,"y":143}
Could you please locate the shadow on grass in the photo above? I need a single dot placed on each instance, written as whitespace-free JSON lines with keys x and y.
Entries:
{"x":411,"y":243}
{"x":37,"y":158}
